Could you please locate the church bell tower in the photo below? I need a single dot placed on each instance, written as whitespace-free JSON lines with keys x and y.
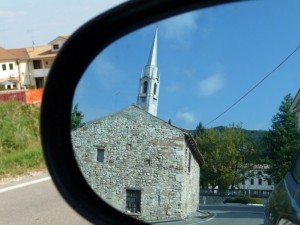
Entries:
{"x":149,"y":82}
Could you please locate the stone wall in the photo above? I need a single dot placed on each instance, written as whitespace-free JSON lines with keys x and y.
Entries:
{"x":191,"y":184}
{"x":141,"y":152}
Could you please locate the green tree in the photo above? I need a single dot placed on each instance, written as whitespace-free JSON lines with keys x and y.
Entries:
{"x":200,"y":128}
{"x":282,"y":140}
{"x":76,"y":117}
{"x":226,"y":153}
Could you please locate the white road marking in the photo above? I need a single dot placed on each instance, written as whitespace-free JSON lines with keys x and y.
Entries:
{"x":193,"y":222}
{"x":203,"y":221}
{"x":24,"y":184}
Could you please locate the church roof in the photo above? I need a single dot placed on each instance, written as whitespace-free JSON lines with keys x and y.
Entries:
{"x":132,"y":111}
{"x":193,"y":146}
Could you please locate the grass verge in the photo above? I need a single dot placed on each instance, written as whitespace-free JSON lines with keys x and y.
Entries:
{"x":16,"y":163}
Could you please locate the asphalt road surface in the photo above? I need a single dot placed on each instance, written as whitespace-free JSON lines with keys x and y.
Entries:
{"x":34,"y":201}
{"x":223,"y":214}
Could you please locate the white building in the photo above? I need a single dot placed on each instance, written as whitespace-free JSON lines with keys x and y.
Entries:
{"x":258,"y":182}
{"x":9,"y":69}
{"x":28,"y":67}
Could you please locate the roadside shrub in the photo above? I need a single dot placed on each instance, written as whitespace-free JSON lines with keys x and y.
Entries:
{"x":19,"y":126}
{"x":243,"y":200}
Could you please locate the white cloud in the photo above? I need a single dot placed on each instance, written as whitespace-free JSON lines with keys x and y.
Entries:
{"x":179,"y":28}
{"x":210,"y":85}
{"x":186,"y":116}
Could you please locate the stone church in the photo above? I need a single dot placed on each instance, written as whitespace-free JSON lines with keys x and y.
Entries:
{"x":138,"y":163}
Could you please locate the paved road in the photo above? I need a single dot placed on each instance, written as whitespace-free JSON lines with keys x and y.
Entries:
{"x":38,"y":203}
{"x":233,"y":214}
{"x":35,"y":200}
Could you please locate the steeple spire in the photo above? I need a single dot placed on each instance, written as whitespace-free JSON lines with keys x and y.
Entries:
{"x":152,"y":61}
{"x":149,"y":82}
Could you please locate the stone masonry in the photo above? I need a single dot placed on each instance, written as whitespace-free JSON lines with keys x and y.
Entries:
{"x":140,"y":152}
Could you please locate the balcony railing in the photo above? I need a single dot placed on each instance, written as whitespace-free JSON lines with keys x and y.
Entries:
{"x":40,"y":72}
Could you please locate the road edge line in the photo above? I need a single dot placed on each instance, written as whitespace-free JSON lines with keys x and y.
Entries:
{"x":24,"y":184}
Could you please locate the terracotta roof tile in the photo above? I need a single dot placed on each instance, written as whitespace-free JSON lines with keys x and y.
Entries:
{"x":20,"y":53}
{"x":38,"y":52}
{"x":193,"y":146}
{"x":6,"y":55}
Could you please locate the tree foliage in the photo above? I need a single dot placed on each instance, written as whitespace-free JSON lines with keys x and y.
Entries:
{"x":282,"y":140}
{"x":226,"y":153}
{"x":76,"y":117}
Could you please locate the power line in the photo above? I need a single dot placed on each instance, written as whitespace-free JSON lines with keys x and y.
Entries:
{"x":254,"y":87}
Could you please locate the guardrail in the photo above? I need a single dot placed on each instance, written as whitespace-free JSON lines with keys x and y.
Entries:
{"x":236,"y":192}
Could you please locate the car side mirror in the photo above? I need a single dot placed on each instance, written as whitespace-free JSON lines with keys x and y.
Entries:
{"x":70,"y":64}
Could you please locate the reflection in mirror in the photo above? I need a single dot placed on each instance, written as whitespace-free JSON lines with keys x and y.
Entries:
{"x":140,"y":101}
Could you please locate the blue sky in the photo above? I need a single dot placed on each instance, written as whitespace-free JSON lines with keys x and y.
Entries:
{"x":206,"y":59}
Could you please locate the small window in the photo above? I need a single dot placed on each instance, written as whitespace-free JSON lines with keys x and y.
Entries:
{"x":128,"y":146}
{"x":155,"y":87}
{"x":133,"y":201}
{"x":145,"y":87}
{"x":252,"y":181}
{"x":3,"y":67}
{"x":37,"y":64}
{"x":269,"y":182}
{"x":100,"y":155}
{"x":143,"y":99}
{"x":11,"y":66}
{"x":56,"y":47}
{"x":147,"y":162}
{"x":259,"y":181}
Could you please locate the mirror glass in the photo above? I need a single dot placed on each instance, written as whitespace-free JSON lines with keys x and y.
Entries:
{"x":138,"y":99}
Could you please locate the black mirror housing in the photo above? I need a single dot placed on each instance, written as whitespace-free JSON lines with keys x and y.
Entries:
{"x":70,"y":64}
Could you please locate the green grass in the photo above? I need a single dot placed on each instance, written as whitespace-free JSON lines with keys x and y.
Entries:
{"x":20,"y":150}
{"x":20,"y":162}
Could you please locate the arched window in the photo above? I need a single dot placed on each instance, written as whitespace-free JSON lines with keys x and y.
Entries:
{"x":145,"y":87}
{"x":155,"y":86}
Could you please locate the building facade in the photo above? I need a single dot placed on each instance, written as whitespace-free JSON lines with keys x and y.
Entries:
{"x":23,"y":68}
{"x":140,"y":164}
{"x":258,"y":182}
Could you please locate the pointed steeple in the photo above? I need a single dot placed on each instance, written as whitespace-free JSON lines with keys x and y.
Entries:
{"x":152,"y":61}
{"x":149,"y":82}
